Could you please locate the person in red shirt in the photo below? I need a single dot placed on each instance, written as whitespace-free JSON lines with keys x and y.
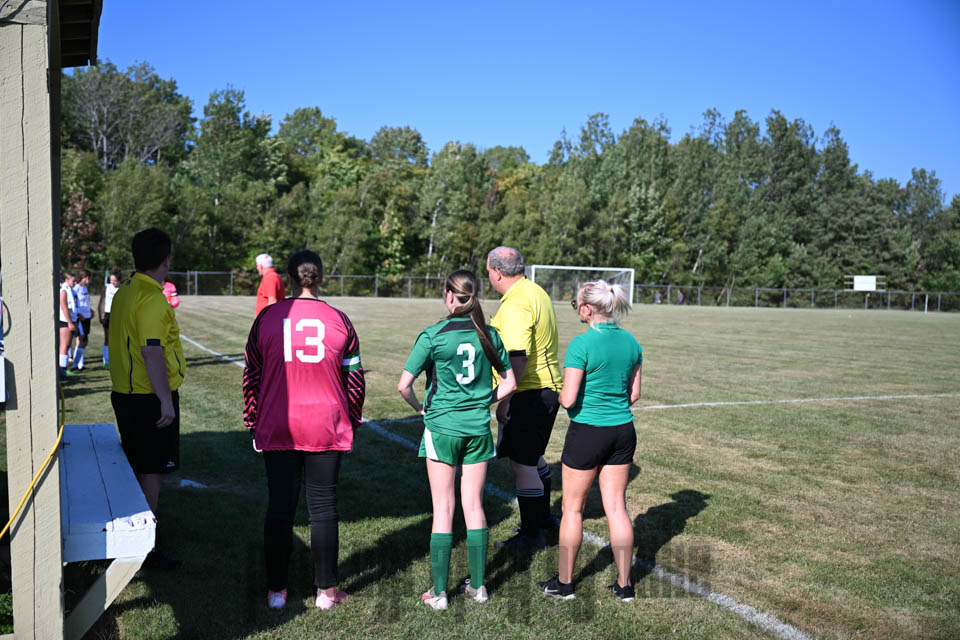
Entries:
{"x":303,"y":390}
{"x":271,"y":289}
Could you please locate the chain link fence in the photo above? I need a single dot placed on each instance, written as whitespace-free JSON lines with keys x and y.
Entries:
{"x":245,"y":283}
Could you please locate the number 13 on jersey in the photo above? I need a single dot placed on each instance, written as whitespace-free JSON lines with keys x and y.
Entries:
{"x":314,"y":332}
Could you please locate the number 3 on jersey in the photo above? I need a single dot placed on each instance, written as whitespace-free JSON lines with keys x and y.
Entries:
{"x":315,"y":340}
{"x":466,"y":347}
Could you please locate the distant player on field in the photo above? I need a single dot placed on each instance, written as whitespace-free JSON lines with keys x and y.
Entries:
{"x":458,"y":355}
{"x":601,"y":379}
{"x":103,"y":311}
{"x":271,"y":289}
{"x":303,"y":390}
{"x":528,"y":325}
{"x":67,"y":324}
{"x":84,"y":315}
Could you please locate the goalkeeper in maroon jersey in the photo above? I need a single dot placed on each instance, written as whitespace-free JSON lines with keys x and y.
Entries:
{"x":303,"y":390}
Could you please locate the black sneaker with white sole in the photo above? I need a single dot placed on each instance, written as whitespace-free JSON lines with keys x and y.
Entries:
{"x":556,"y":589}
{"x":624,"y":593}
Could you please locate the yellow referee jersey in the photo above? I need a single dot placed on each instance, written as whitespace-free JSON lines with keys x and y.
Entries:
{"x":140,"y":317}
{"x":527,"y":322}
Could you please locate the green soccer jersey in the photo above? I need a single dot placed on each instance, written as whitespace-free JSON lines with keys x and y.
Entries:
{"x":607,"y":355}
{"x":459,"y":376}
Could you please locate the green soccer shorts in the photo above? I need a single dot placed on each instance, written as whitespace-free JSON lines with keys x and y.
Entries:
{"x":456,"y":450}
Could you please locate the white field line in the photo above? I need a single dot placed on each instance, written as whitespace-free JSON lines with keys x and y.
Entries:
{"x":912,"y":396}
{"x":219,"y":355}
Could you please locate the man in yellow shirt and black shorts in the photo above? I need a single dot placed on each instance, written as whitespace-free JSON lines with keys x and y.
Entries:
{"x":146,"y":370}
{"x":528,"y":327}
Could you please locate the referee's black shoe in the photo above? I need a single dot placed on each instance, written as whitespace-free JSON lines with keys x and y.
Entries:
{"x":524,"y":542}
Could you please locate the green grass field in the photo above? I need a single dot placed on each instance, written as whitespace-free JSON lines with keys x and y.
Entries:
{"x":840,"y":517}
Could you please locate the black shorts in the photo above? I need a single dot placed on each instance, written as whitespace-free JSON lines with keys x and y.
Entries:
{"x":149,"y":449}
{"x":588,"y":447}
{"x":106,"y":320}
{"x":85,"y":323}
{"x":63,"y":325}
{"x":527,"y":433}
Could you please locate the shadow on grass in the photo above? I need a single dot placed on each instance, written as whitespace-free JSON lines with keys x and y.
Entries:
{"x":652,"y":531}
{"x":217,"y":534}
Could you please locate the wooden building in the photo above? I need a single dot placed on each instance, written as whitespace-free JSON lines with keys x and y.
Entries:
{"x":37,"y":39}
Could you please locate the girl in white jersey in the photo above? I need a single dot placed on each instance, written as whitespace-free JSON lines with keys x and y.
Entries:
{"x":103,"y":310}
{"x":84,"y":314}
{"x":68,"y":319}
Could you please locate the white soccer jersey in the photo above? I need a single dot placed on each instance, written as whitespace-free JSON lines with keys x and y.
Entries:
{"x":109,"y":292}
{"x":71,"y":304}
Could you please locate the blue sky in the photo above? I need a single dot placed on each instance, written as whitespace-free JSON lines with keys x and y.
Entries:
{"x":886,"y":73}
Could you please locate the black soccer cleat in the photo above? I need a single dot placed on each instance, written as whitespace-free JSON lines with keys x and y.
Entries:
{"x":553,"y":588}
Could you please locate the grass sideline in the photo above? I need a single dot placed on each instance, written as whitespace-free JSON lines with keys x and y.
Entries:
{"x":840,"y":518}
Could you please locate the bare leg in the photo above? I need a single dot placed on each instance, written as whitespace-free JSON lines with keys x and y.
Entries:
{"x":471,"y":495}
{"x":442,"y":492}
{"x":576,"y":485}
{"x":150,"y":483}
{"x":613,"y":486}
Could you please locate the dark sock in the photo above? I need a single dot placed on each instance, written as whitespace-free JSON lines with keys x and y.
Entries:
{"x":530,"y":502}
{"x":440,"y":546}
{"x":477,"y":540}
{"x":547,"y":479}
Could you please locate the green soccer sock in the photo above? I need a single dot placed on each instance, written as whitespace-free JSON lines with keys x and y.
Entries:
{"x":440,"y":546}
{"x":477,"y":540}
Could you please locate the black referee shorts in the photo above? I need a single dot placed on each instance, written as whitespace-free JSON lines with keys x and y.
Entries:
{"x":527,"y":433}
{"x":149,"y":449}
{"x":588,"y":447}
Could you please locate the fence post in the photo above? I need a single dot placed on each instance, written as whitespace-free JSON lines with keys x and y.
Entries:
{"x":888,"y":301}
{"x":926,"y":301}
{"x":669,"y":299}
{"x":836,"y":303}
{"x":784,"y":297}
{"x":939,"y":295}
{"x":866,"y":298}
{"x":409,"y":287}
{"x":376,"y":285}
{"x":698,"y":294}
{"x":811,"y":298}
{"x":913,"y":300}
{"x":231,"y":283}
{"x":756,"y":297}
{"x":196,"y":283}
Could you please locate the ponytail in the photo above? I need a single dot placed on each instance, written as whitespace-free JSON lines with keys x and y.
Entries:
{"x":465,"y":287}
{"x":609,"y":300}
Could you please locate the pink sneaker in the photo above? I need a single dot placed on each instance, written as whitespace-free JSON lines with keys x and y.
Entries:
{"x":277,"y":599}
{"x":326,"y":602}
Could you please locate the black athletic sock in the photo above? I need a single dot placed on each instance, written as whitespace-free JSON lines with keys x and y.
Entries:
{"x":547,"y":479}
{"x":530,"y":502}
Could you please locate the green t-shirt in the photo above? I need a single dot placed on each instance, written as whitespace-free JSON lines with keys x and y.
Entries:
{"x":607,"y":355}
{"x":459,"y":376}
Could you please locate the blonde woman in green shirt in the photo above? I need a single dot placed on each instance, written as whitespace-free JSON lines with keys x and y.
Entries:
{"x":601,"y":379}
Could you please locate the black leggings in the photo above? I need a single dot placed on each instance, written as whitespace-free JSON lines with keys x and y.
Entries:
{"x":284,"y":472}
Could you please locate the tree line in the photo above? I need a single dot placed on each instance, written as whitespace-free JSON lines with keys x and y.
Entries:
{"x":732,"y":203}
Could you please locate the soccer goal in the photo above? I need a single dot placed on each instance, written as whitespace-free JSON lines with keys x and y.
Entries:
{"x":562,"y":282}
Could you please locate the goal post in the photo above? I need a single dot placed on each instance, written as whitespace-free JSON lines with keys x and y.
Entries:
{"x":562,"y":281}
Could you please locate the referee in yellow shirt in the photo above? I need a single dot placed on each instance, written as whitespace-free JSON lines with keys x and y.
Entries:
{"x":146,"y":370}
{"x":528,"y":327}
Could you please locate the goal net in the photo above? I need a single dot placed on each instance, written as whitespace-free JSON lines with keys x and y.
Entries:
{"x":562,"y":282}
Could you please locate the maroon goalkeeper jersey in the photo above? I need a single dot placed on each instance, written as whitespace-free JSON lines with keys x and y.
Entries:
{"x":303,"y":385}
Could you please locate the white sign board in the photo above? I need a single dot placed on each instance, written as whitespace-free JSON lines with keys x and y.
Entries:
{"x":864,"y":283}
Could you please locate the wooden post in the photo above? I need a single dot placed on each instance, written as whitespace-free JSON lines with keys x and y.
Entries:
{"x":29,"y":243}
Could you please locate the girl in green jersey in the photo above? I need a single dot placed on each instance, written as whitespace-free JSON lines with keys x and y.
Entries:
{"x":457,"y":354}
